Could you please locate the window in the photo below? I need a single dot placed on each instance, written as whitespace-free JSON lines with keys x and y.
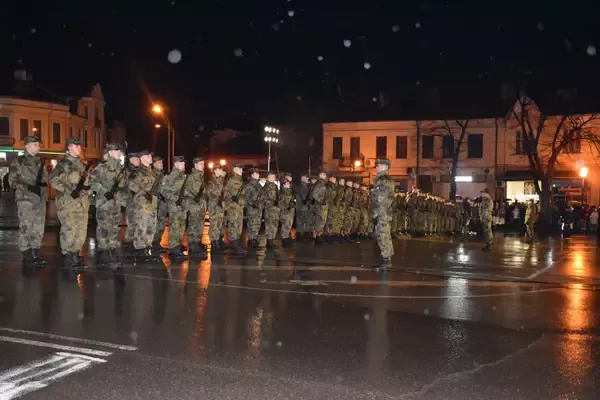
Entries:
{"x":79,"y":133}
{"x":85,"y":138}
{"x":574,"y":145}
{"x":4,"y":126}
{"x":97,"y":121}
{"x":519,"y":143}
{"x":337,"y":148}
{"x":56,"y":133}
{"x":354,"y":148}
{"x":24,"y":127}
{"x":401,"y":147}
{"x":475,"y":145}
{"x":381,"y":147}
{"x":85,"y":112}
{"x":427,"y":147}
{"x":448,"y":146}
{"x":97,"y":139}
{"x":37,"y":129}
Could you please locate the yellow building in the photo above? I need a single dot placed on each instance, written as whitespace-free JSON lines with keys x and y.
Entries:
{"x":26,"y":109}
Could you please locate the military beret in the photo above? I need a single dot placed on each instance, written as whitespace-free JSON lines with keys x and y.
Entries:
{"x":112,"y":146}
{"x":217,"y":166}
{"x":73,"y":140}
{"x":486,"y":190}
{"x":383,"y":161}
{"x":157,"y":158}
{"x":178,"y":159}
{"x":253,"y":171}
{"x":133,"y":155}
{"x":313,"y":177}
{"x":237,"y":165}
{"x":197,"y":159}
{"x":305,"y":176}
{"x":32,"y":139}
{"x":142,"y":153}
{"x":286,"y":174}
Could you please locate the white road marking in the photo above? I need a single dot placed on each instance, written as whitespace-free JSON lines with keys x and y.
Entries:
{"x":75,"y":349}
{"x":70,"y":339}
{"x":38,"y":374}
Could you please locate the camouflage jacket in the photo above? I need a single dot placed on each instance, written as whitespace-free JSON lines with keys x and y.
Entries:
{"x":25,"y":171}
{"x":234,"y":188}
{"x":103,"y":179}
{"x":66,"y":175}
{"x":486,"y":207}
{"x":286,"y":199}
{"x":214,"y":190}
{"x":330,"y":194}
{"x":383,"y":195}
{"x":126,"y":195}
{"x":339,"y":198}
{"x":348,"y":196}
{"x":301,"y":194}
{"x":194,"y":185}
{"x":318,"y":192}
{"x":140,"y":184}
{"x":270,"y":195}
{"x":363,"y":201}
{"x":355,"y":198}
{"x":171,"y":187}
{"x":252,"y":191}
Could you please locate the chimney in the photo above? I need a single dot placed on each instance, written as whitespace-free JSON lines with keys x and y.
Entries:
{"x":20,"y":75}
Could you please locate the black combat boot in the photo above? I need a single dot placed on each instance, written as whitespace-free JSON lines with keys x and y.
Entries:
{"x":37,"y":260}
{"x":287,"y":242}
{"x":488,"y":247}
{"x":237,"y":247}
{"x":385,"y":265}
{"x":103,"y":258}
{"x":28,"y":257}
{"x":114,"y":256}
{"x":319,"y":240}
{"x":222,"y":243}
{"x":271,"y":244}
{"x":177,"y":252}
{"x":68,"y":261}
{"x":78,"y":260}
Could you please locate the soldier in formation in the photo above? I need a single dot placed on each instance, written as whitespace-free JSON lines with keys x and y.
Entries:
{"x":161,"y":210}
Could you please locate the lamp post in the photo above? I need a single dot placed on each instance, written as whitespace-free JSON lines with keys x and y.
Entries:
{"x":355,"y":165}
{"x":583,"y":173}
{"x":271,"y":136}
{"x":159,"y":110}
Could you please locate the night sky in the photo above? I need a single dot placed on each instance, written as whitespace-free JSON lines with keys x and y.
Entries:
{"x":300,"y":63}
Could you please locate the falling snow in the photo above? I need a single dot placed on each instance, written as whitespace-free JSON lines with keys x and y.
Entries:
{"x":367,"y":65}
{"x":80,"y":316}
{"x":320,"y":58}
{"x":298,"y":98}
{"x":291,"y":13}
{"x":591,"y":50}
{"x":238,"y":52}
{"x":133,"y":335}
{"x":395,"y":28}
{"x":89,"y":45}
{"x":275,"y":26}
{"x":426,"y":311}
{"x":418,"y":25}
{"x":353,"y":279}
{"x":174,"y":56}
{"x":33,"y":30}
{"x":374,"y":99}
{"x":347,"y":43}
{"x":367,"y":317}
{"x":540,"y":26}
{"x":279,"y":344}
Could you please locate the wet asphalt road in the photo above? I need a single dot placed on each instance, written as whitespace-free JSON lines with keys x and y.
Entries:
{"x":449,"y":322}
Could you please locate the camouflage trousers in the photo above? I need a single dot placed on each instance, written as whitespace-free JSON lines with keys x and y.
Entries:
{"x":144,"y":221}
{"x":161,"y":220}
{"x":402,"y":221}
{"x":529,"y":230}
{"x":303,"y":219}
{"x":286,"y":220}
{"x":383,"y":234}
{"x":355,"y":220}
{"x":253,"y":221}
{"x":235,"y":220}
{"x":32,"y":218}
{"x":349,"y":219}
{"x":130,"y":231}
{"x":73,"y":217}
{"x":196,"y":218}
{"x":177,"y":220}
{"x":320,"y":219}
{"x":338,"y":214}
{"x":108,"y":217}
{"x":216,"y":216}
{"x":271,"y":222}
{"x":488,"y":236}
{"x":330,"y":224}
{"x":363,"y":226}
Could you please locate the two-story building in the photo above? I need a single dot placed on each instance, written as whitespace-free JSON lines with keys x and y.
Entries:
{"x":26,"y":109}
{"x":491,"y":156}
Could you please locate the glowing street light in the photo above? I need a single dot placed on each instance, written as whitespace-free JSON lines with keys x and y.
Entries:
{"x":357,"y":163}
{"x":158,"y":126}
{"x":583,"y":172}
{"x":211,"y":165}
{"x":222,"y":162}
{"x":157,"y":109}
{"x":271,"y":136}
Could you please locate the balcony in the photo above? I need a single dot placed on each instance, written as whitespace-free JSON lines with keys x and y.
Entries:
{"x":349,"y":164}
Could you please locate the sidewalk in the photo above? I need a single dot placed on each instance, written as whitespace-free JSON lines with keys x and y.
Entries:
{"x":8,"y":213}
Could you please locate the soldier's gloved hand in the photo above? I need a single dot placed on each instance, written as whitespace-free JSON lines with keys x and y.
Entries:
{"x":148,"y":196}
{"x":234,"y":198}
{"x":178,"y":203}
{"x":76,"y":193}
{"x":34,"y":189}
{"x":109,"y":195}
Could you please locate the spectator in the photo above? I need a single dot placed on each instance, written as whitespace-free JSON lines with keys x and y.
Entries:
{"x":593,"y":219}
{"x":5,"y":184}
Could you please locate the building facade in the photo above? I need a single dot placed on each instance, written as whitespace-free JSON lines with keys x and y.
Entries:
{"x":27,"y":110}
{"x":491,"y":156}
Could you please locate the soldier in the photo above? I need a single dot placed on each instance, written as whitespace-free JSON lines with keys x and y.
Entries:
{"x":530,"y":219}
{"x":485,"y":213}
{"x":363,"y":227}
{"x":70,"y":180}
{"x":287,"y":203}
{"x":214,"y":194}
{"x":173,"y":190}
{"x":340,"y":208}
{"x":195,"y":199}
{"x":105,"y":181}
{"x":356,"y":211}
{"x":270,"y":203}
{"x":383,"y":196}
{"x":234,"y":207}
{"x":254,"y":193}
{"x":330,"y":197}
{"x":349,"y":215}
{"x":320,"y":206}
{"x":161,"y":211}
{"x":302,"y":211}
{"x":28,"y":176}
{"x":144,"y":185}
{"x":134,"y":163}
{"x":402,"y":212}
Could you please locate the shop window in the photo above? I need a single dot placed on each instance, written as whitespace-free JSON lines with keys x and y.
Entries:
{"x":56,"y":133}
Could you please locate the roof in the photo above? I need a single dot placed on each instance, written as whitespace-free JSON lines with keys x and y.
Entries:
{"x":27,"y":90}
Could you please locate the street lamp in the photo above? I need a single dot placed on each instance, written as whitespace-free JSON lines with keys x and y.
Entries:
{"x":354,"y":166}
{"x":211,"y":165}
{"x":271,"y":136}
{"x":222,"y":162}
{"x":159,"y":110}
{"x":583,"y":173}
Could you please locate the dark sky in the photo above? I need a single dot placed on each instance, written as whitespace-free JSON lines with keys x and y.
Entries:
{"x":248,"y":63}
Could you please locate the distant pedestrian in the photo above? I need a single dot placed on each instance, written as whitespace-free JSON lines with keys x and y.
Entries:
{"x":485,"y":213}
{"x":530,"y":219}
{"x":5,"y":183}
{"x":594,"y":219}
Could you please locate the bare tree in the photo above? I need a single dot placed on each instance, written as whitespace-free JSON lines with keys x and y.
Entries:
{"x":546,"y":137}
{"x":448,"y":162}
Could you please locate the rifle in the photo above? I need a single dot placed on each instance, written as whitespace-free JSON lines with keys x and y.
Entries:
{"x":111,"y":193}
{"x":198,"y":196}
{"x":151,"y":193}
{"x":182,"y":192}
{"x":256,"y":203}
{"x":309,"y":194}
{"x":37,"y":187}
{"x":80,"y":185}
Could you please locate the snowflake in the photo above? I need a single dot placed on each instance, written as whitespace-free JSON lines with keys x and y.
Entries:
{"x":238,"y":52}
{"x":347,"y":43}
{"x":320,"y":58}
{"x":395,"y":28}
{"x":374,"y":101}
{"x":174,"y":56}
{"x":354,"y":279}
{"x":417,"y":25}
{"x":540,"y":26}
{"x":367,"y":65}
{"x":275,"y":26}
{"x":291,"y":13}
{"x":298,"y":98}
{"x":591,"y":50}
{"x":89,"y":45}
{"x":426,"y":311}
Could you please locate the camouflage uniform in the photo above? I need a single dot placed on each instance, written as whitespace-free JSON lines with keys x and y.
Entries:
{"x":286,"y":206}
{"x":363,"y":228}
{"x":303,"y":222}
{"x":31,"y":196}
{"x":72,"y":207}
{"x":127,"y":199}
{"x":402,"y":212}
{"x":234,"y":208}
{"x":349,"y":214}
{"x":216,"y":214}
{"x":485,"y":212}
{"x":195,"y":201}
{"x":320,"y":207}
{"x":330,"y":196}
{"x":340,"y":210}
{"x":253,"y":190}
{"x":383,"y":196}
{"x":108,"y":210}
{"x":412,"y":209}
{"x":144,"y":207}
{"x":356,"y":211}
{"x":270,"y":204}
{"x":161,"y":209}
{"x":172,"y":188}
